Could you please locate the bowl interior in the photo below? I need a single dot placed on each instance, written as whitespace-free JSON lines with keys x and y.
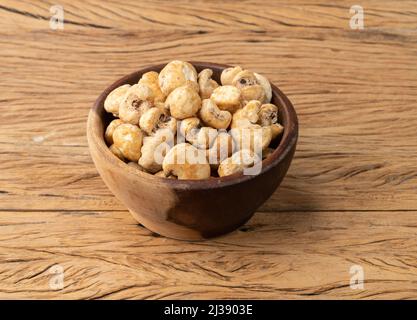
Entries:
{"x":99,"y":119}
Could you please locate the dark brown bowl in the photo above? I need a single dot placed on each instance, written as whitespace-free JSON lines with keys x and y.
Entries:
{"x":190,"y":209}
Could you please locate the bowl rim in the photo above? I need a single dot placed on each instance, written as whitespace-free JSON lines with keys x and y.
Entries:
{"x":287,"y":143}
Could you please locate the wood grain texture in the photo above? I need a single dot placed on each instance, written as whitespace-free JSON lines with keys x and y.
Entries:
{"x":277,"y":255}
{"x":349,"y":197}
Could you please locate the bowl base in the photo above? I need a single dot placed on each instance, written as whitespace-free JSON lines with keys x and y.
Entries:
{"x":177,"y":232}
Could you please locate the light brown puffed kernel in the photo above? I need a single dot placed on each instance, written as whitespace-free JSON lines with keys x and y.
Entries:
{"x":244,"y":78}
{"x":128,"y":139}
{"x":206,"y":83}
{"x":151,"y":80}
{"x":249,"y":87}
{"x":148,"y":121}
{"x":204,"y":137}
{"x":255,"y":137}
{"x":221,"y":149}
{"x":175,"y":74}
{"x":264,"y":82}
{"x":239,"y":161}
{"x":154,"y":150}
{"x":255,"y":92}
{"x":189,"y":124}
{"x":228,"y":75}
{"x":247,"y":116}
{"x":194,"y":85}
{"x":226,"y":98}
{"x":114,"y":99}
{"x":153,"y":120}
{"x":268,"y":114}
{"x":137,"y":101}
{"x":167,"y":122}
{"x":186,"y":162}
{"x":116,"y":151}
{"x":108,"y":135}
{"x":183,"y":102}
{"x":213,"y":116}
{"x":200,"y":137}
{"x":161,"y":105}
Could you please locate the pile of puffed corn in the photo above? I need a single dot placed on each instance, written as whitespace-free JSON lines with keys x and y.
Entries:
{"x":182,"y":124}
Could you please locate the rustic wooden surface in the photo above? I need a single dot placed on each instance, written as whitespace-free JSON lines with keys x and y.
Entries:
{"x":349,"y":198}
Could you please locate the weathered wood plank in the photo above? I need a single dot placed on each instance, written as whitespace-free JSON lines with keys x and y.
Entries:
{"x":206,"y":15}
{"x":348,"y":199}
{"x":277,"y":255}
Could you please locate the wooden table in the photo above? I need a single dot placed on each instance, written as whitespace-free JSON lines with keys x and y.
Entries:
{"x":348,"y":203}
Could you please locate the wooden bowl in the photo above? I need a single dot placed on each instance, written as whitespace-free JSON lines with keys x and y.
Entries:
{"x":190,"y":209}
